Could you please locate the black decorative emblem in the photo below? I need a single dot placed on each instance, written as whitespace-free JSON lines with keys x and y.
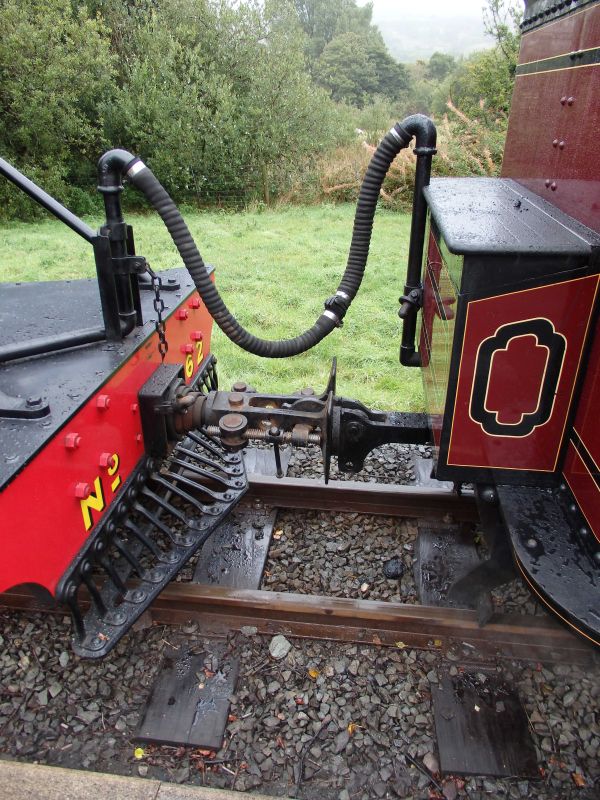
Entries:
{"x":544,"y":332}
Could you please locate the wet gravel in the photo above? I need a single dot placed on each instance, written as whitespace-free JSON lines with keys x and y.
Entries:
{"x":343,"y":554}
{"x":390,"y":463}
{"x":352,"y":716}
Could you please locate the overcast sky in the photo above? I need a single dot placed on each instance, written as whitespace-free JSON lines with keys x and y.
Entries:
{"x":445,"y":8}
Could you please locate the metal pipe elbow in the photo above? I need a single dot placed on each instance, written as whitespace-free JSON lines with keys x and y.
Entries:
{"x":111,"y":168}
{"x":409,"y":356}
{"x":424,"y":131}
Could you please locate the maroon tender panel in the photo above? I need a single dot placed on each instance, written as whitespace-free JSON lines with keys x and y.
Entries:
{"x":579,"y":31}
{"x":567,"y":306}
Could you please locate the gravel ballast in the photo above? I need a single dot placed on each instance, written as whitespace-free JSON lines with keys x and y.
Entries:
{"x":352,"y":715}
{"x":343,"y":554}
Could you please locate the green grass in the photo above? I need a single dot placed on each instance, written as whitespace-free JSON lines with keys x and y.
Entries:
{"x":274,"y":269}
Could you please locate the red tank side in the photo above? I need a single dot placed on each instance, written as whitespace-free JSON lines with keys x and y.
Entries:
{"x":551,"y":149}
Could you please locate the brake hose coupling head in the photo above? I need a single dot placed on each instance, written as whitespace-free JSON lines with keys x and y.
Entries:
{"x":336,"y":307}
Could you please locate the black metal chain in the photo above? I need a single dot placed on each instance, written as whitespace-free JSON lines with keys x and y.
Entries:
{"x":159,"y":307}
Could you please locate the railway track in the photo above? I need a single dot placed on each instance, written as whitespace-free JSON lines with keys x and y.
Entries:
{"x":356,"y":620}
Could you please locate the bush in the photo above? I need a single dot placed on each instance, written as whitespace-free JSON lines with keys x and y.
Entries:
{"x":466,"y":147}
{"x":215,"y":97}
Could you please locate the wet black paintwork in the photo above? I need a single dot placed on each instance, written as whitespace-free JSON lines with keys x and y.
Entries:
{"x":546,"y":545}
{"x":499,"y":216}
{"x":496,"y":237}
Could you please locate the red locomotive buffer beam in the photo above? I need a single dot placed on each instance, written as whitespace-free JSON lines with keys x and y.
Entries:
{"x":61,"y":473}
{"x":82,"y":501}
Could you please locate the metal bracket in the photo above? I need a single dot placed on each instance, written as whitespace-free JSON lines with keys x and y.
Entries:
{"x":356,"y":430}
{"x":23,"y":408}
{"x":145,"y":284}
{"x":129,"y":265}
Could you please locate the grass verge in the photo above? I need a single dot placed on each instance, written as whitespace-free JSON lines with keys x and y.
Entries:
{"x":274,"y":269}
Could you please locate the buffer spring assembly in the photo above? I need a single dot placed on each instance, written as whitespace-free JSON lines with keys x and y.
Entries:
{"x":169,"y":509}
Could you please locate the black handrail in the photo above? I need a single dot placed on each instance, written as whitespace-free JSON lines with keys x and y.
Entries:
{"x":48,"y":202}
{"x":120,"y":306}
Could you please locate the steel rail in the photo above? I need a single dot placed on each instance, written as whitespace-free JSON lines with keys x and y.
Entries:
{"x":369,"y":621}
{"x":363,"y":498}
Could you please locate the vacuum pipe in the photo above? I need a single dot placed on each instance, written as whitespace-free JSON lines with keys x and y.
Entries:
{"x":425,"y":133}
{"x":116,"y":163}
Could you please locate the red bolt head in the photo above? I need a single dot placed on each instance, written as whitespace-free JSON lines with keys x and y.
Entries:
{"x":570,"y":101}
{"x":82,"y":490}
{"x":553,"y":186}
{"x":196,"y":336}
{"x":105,"y":459}
{"x":194,"y":302}
{"x":72,"y":441}
{"x":181,"y":313}
{"x":134,"y":407}
{"x":563,"y":100}
{"x":547,"y":182}
{"x":103,"y":401}
{"x":139,"y":438}
{"x":187,"y":348}
{"x":555,"y":143}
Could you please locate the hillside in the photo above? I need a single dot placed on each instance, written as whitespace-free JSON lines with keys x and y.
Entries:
{"x":412,"y":38}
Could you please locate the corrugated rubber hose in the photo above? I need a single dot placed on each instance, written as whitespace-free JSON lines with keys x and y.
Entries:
{"x":335,"y":307}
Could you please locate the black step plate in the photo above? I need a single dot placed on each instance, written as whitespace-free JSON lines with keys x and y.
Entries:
{"x":174,"y":514}
{"x":558,"y":567}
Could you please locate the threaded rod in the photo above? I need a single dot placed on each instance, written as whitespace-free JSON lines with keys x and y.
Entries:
{"x":256,"y":434}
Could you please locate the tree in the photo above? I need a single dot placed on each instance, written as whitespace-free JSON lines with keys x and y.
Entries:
{"x":322,"y":20}
{"x":501,"y":19}
{"x":440,"y":65}
{"x":392,"y":78}
{"x":55,"y":64}
{"x":355,"y":67}
{"x":346,"y":69}
{"x":485,"y":80}
{"x":481,"y":85}
{"x":215,"y":96}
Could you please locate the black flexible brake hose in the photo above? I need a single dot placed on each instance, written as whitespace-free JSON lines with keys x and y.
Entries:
{"x":117,"y":162}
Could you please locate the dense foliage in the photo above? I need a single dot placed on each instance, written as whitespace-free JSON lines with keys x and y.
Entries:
{"x":55,"y":63}
{"x":215,"y":97}
{"x":225,"y":100}
{"x":480,"y":85}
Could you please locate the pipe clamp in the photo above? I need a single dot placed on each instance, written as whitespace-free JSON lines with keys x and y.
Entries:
{"x":135,"y":169}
